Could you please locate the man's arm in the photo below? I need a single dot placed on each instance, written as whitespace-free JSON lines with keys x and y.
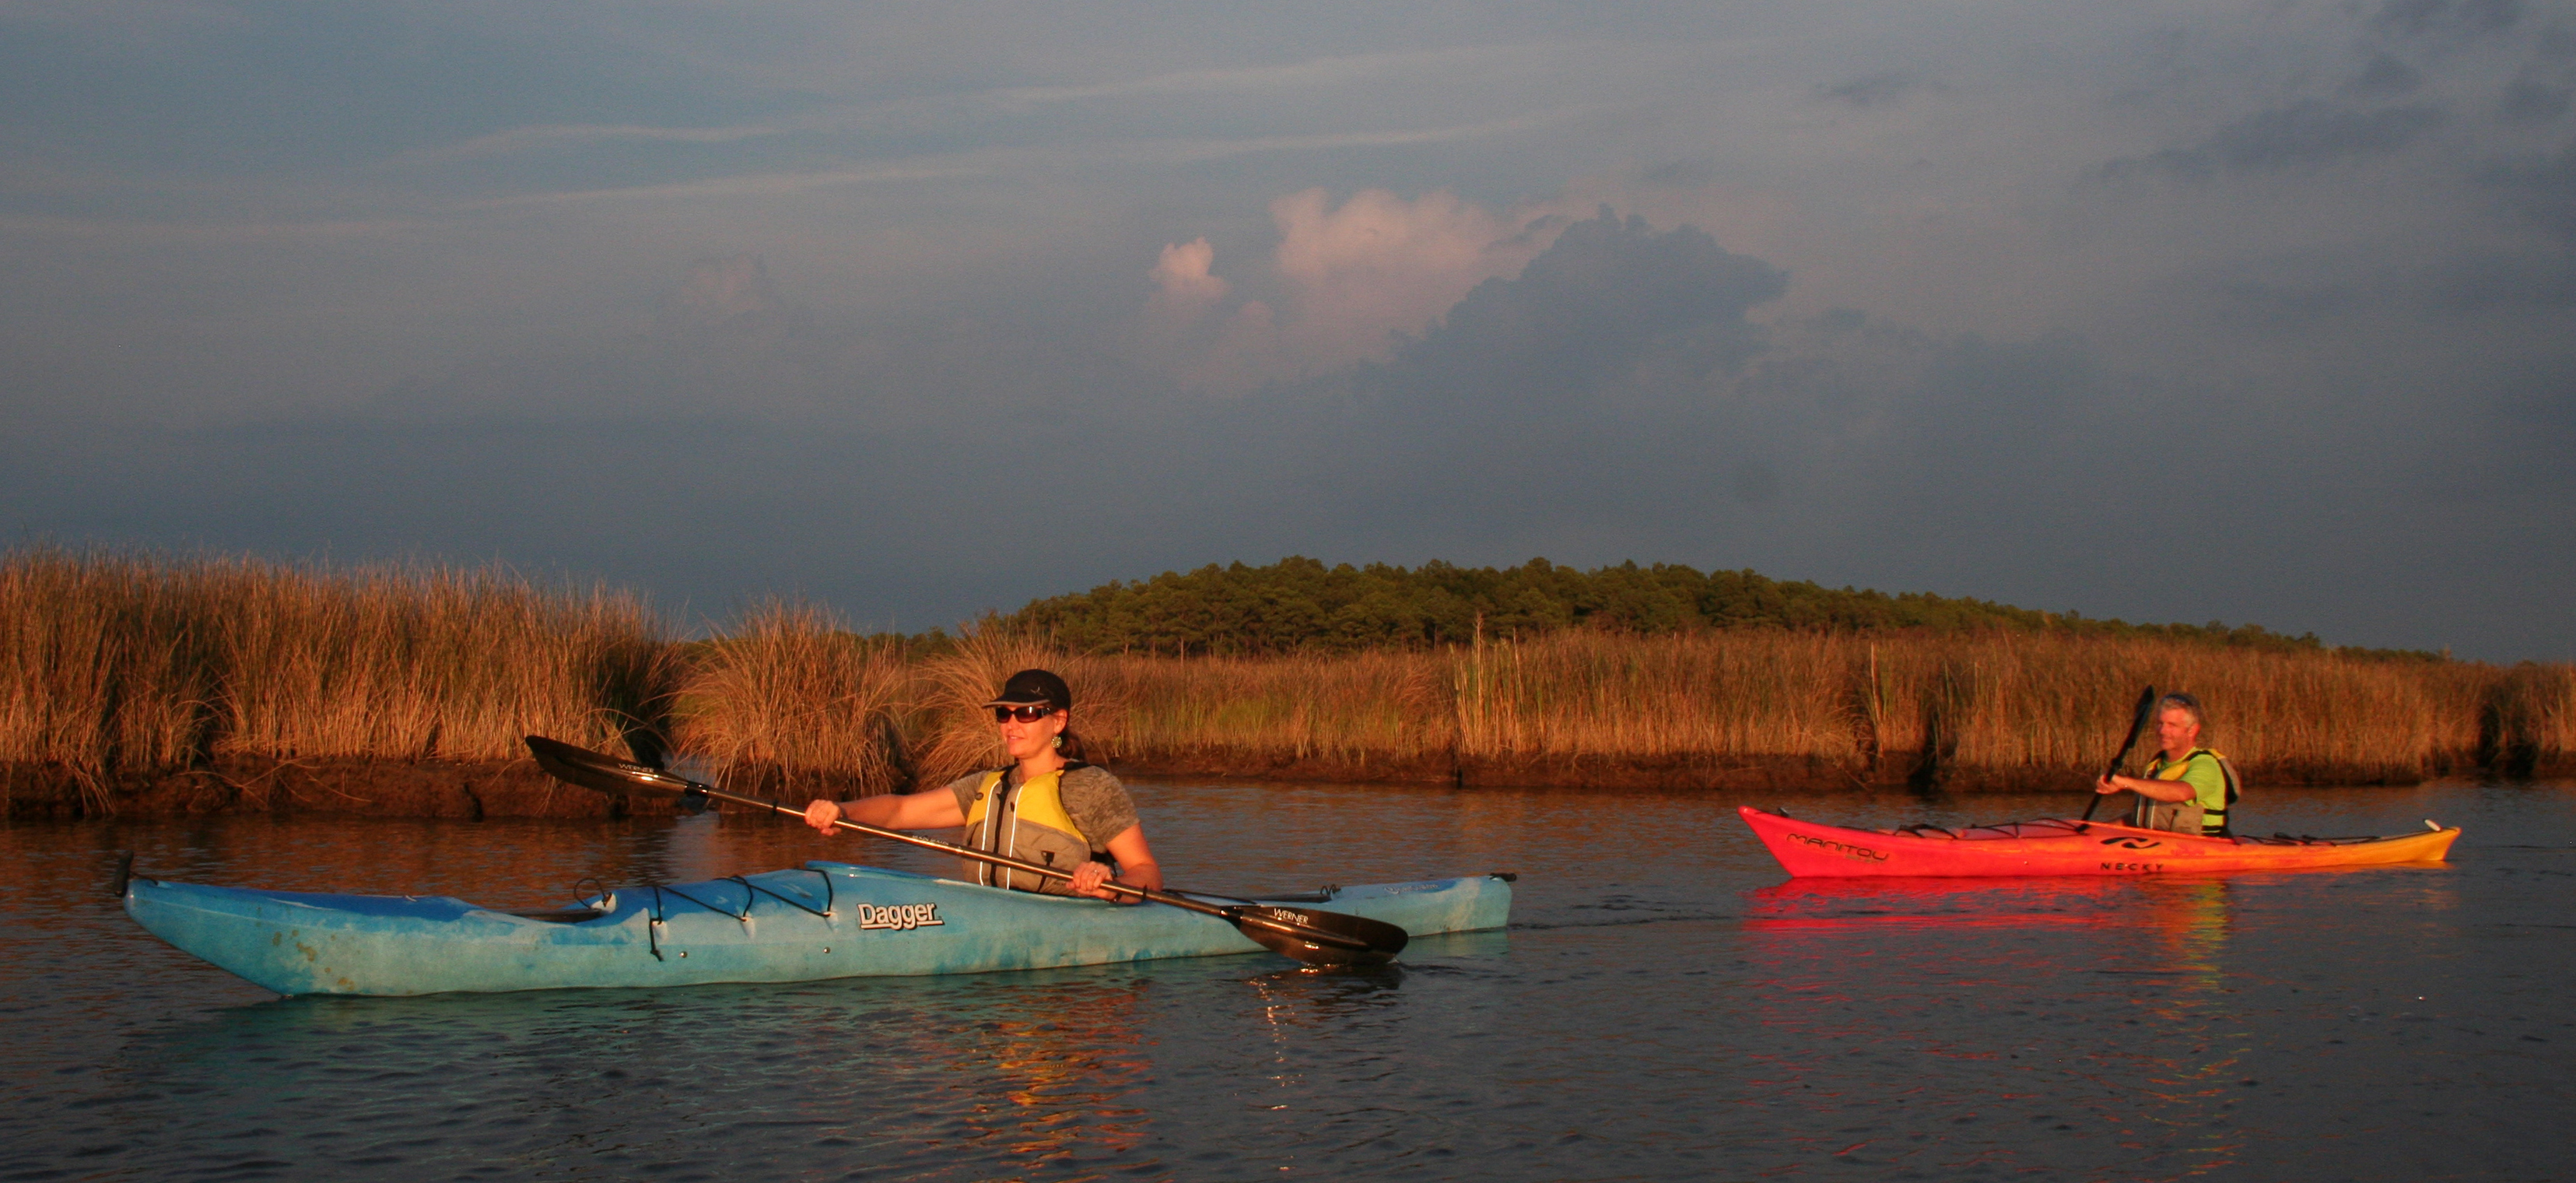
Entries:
{"x":2160,"y":790}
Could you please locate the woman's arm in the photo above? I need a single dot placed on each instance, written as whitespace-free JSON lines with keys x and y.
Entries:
{"x":928,"y":810}
{"x":1136,"y":868}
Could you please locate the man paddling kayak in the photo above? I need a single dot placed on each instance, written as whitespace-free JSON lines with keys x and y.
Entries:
{"x":2185,"y":786}
{"x":1048,"y":806}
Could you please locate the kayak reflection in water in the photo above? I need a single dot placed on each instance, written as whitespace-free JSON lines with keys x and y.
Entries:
{"x":2185,"y":788}
{"x":1047,"y":807}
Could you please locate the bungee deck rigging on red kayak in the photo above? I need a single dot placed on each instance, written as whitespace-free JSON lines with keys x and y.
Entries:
{"x":2061,"y":846}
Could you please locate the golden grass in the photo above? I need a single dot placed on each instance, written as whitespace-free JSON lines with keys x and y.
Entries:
{"x":1390,"y":708}
{"x":1575,"y":696}
{"x":98,"y":668}
{"x":2043,"y":703}
{"x":419,"y":664}
{"x":117,"y":665}
{"x":791,"y":697}
{"x":121,"y":663}
{"x":2527,"y":716}
{"x":2007,"y":705}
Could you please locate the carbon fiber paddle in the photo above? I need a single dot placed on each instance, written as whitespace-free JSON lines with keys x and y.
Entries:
{"x":1316,"y":938}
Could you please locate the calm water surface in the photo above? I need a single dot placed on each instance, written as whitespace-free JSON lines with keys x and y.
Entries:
{"x":1664,"y":1006}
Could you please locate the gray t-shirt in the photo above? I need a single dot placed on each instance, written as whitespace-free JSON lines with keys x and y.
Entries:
{"x":1098,"y":804}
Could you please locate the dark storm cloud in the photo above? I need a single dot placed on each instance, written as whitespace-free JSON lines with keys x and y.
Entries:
{"x":1616,"y":398}
{"x":1679,"y":174}
{"x":2475,"y":284}
{"x":2541,"y":190}
{"x":2384,"y":77}
{"x":2529,"y":102}
{"x":1613,"y":400}
{"x":250,"y":89}
{"x":2425,"y":18}
{"x":1583,"y":313}
{"x":1875,"y":90}
{"x":2307,"y":134}
{"x":1579,"y":392}
{"x":382,"y":279}
{"x":1548,"y":411}
{"x":2287,"y":305}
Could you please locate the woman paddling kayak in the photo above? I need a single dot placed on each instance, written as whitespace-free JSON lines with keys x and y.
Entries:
{"x":1048,"y":806}
{"x":2186,"y":788}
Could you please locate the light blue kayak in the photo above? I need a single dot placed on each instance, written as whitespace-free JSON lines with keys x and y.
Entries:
{"x":828,"y":920}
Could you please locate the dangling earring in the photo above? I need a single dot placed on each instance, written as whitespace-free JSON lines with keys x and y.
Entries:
{"x":1057,"y":743}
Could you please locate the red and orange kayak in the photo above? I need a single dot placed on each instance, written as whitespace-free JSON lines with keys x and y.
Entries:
{"x":2060,"y":846}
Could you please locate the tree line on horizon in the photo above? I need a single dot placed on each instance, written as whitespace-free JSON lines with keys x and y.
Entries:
{"x":1299,"y":605}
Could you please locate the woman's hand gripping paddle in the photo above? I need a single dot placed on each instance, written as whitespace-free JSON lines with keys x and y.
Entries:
{"x":2137,"y":727}
{"x":1316,"y":938}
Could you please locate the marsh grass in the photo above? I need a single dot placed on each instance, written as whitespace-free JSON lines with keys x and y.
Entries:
{"x":1390,"y":710}
{"x":2008,"y":707}
{"x":123,"y":664}
{"x":2527,"y":717}
{"x":115,"y":666}
{"x":791,"y":699}
{"x":421,"y":663}
{"x":99,"y":670}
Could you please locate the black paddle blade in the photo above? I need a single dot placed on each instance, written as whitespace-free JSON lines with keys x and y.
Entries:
{"x":1320,"y":938}
{"x":648,"y":748}
{"x":606,"y":774}
{"x":2137,"y":726}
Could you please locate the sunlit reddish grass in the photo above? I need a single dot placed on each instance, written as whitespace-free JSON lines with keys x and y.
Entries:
{"x":114,"y":663}
{"x":1869,"y":706}
{"x":791,"y":693}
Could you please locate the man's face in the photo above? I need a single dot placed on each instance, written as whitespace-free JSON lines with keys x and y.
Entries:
{"x":2174,"y":727}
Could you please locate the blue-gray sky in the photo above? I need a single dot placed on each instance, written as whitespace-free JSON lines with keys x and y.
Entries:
{"x":2169,"y":311}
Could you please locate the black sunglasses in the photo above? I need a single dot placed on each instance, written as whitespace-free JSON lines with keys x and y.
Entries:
{"x":1023,"y":714}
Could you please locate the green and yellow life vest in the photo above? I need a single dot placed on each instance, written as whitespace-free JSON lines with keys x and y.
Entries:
{"x":1027,"y":822}
{"x":2198,"y":815}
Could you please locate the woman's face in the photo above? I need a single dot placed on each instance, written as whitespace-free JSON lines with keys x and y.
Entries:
{"x":1030,"y":739}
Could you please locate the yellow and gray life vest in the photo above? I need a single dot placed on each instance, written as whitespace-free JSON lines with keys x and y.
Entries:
{"x":1027,"y":822}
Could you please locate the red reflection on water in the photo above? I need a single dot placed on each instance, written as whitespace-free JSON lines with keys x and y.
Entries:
{"x":1945,"y":902}
{"x":1059,"y":1076}
{"x":2106,"y":995}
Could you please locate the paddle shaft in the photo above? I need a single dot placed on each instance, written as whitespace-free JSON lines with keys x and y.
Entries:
{"x":1237,"y":916}
{"x":999,"y":860}
{"x":2137,"y":726}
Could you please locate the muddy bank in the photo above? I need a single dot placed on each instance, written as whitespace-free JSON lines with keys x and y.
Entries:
{"x":1895,"y":771}
{"x":467,"y":789}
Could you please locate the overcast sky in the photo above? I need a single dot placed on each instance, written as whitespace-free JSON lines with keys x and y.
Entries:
{"x":2168,"y":311}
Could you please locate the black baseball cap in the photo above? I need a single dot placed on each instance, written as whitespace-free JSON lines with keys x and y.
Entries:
{"x":1029,"y":688}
